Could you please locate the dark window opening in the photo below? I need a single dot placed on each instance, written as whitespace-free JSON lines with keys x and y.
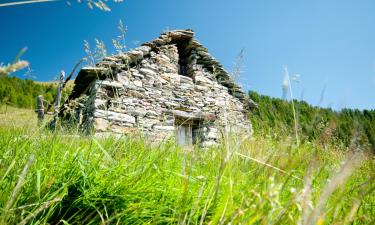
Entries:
{"x":197,"y":134}
{"x":183,"y":57}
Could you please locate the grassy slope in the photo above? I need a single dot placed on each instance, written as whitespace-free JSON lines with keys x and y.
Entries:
{"x":349,"y":128}
{"x":48,"y":178}
{"x":22,"y":93}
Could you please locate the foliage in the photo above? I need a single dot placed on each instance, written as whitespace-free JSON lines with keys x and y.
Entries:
{"x":350,"y":128}
{"x":23,"y":93}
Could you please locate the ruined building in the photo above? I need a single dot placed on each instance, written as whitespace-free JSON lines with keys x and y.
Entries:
{"x":169,"y":87}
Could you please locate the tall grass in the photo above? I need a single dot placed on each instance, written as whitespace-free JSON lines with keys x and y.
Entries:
{"x":69,"y":179}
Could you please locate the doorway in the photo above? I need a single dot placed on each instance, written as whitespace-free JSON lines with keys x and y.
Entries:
{"x":188,"y":132}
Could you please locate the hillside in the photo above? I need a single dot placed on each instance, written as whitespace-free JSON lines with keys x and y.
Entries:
{"x":349,"y":128}
{"x":22,"y":93}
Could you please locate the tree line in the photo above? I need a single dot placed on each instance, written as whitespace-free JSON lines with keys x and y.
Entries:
{"x":350,"y":128}
{"x":22,"y":93}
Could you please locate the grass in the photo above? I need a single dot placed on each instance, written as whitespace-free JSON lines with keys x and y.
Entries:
{"x":11,"y":117}
{"x":62,"y":178}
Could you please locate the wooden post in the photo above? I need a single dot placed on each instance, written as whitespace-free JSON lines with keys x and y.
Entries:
{"x":40,"y":108}
{"x":58,"y":99}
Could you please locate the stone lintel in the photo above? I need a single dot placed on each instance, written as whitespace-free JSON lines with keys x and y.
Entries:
{"x":194,"y":116}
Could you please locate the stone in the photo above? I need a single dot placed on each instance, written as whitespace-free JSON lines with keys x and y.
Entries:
{"x":186,"y":86}
{"x":138,"y":112}
{"x":114,"y":84}
{"x":202,"y":88}
{"x":162,"y":81}
{"x":144,"y":49}
{"x":135,"y":55}
{"x":201,"y":80}
{"x":124,"y":80}
{"x":172,"y":104}
{"x":129,"y":101}
{"x":100,"y":103}
{"x":138,"y":83}
{"x":149,"y":123}
{"x":164,"y":128}
{"x":185,"y":79}
{"x":137,"y":75}
{"x":207,"y":144}
{"x":152,"y":113}
{"x":109,"y":115}
{"x":146,"y":71}
{"x":101,"y":124}
{"x":212,"y":133}
{"x":122,"y":129}
{"x":165,"y":58}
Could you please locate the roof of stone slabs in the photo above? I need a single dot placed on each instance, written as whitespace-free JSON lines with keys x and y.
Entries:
{"x":110,"y":64}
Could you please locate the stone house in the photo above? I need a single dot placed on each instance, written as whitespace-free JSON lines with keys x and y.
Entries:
{"x":169,"y":87}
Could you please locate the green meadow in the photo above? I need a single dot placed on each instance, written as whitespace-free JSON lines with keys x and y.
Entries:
{"x":67,"y":178}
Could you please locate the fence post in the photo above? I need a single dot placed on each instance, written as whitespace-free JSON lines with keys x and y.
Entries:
{"x":58,"y":99}
{"x":40,"y":108}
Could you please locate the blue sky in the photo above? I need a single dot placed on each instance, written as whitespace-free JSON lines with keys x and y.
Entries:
{"x":329,"y":44}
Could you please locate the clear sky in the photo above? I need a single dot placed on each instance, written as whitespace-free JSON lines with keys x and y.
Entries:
{"x":329,"y":43}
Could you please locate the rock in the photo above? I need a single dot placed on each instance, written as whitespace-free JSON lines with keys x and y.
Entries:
{"x":220,"y":102}
{"x":207,"y":144}
{"x":138,"y":112}
{"x":100,"y":103}
{"x":123,"y":129}
{"x":202,"y":88}
{"x":136,"y":94}
{"x":162,"y":81}
{"x":135,"y":55}
{"x":166,"y":58}
{"x":212,"y":133}
{"x":114,"y":84}
{"x":164,"y":128}
{"x":200,"y":80}
{"x":159,"y":41}
{"x":185,"y":79}
{"x":186,"y":86}
{"x":123,"y":80}
{"x":101,"y":124}
{"x":109,"y":115}
{"x":145,"y":71}
{"x":149,"y":123}
{"x":138,"y":83}
{"x":144,"y":49}
{"x":140,"y":76}
{"x":151,"y":113}
{"x":172,"y":104}
{"x":129,"y":101}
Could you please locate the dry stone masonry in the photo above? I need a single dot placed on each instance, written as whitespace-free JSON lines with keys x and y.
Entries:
{"x":169,"y":87}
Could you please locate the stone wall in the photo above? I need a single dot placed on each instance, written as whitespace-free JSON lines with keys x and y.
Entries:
{"x":159,"y":86}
